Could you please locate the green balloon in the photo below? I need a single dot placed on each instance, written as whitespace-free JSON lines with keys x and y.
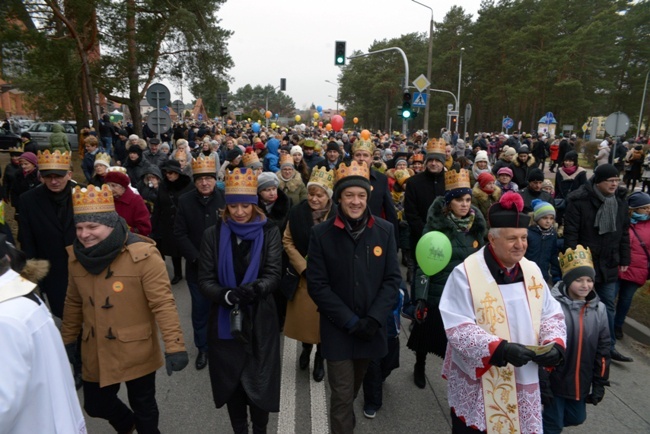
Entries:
{"x":433,"y":252}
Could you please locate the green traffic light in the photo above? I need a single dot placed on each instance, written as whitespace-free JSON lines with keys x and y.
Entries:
{"x":406,"y":114}
{"x":339,"y":60}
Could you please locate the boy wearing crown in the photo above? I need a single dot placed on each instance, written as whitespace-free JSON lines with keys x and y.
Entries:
{"x":583,"y":376}
{"x":501,"y":323}
{"x":353,"y":277}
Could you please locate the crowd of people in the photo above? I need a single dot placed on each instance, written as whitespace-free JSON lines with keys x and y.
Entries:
{"x":300,"y":232}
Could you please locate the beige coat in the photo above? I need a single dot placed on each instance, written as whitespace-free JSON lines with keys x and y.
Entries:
{"x":117,"y":316}
{"x":294,"y":188}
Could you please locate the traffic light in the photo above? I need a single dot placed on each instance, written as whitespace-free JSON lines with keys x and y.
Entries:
{"x":339,"y":53}
{"x":223,"y":111}
{"x":406,"y":106}
{"x":283,"y":84}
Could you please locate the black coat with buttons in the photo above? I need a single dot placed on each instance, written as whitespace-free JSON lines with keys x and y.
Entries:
{"x":348,"y":278}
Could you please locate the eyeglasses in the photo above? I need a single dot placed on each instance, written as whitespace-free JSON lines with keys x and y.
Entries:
{"x":613,"y":181}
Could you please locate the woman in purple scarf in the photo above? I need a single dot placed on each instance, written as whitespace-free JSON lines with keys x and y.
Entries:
{"x":239,"y":269}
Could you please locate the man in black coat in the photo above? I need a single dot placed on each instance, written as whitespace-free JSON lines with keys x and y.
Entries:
{"x":597,"y":217}
{"x":353,"y":277}
{"x":197,"y":211}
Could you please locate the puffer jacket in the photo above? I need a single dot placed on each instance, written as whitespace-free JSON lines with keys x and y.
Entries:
{"x":587,"y":351}
{"x":638,"y":272}
{"x":520,"y":171}
{"x":272,"y":158}
{"x":543,"y":251}
{"x":58,"y":139}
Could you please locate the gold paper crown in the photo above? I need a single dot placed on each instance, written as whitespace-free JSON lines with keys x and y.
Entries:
{"x":250,"y":158}
{"x":286,"y":159}
{"x":571,"y":259}
{"x":322,"y":176}
{"x":401,"y":176}
{"x":92,"y":200}
{"x":103,"y":157}
{"x":53,"y":160}
{"x":418,"y":157}
{"x":363,"y":145}
{"x":455,"y":180}
{"x":15,"y":149}
{"x":201,"y":165}
{"x":354,"y":169}
{"x":436,"y":146}
{"x":241,"y":182}
{"x":309,"y":143}
{"x":117,"y":169}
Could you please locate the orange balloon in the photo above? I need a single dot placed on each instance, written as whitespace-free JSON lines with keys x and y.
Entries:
{"x":268,"y":114}
{"x":328,"y":127}
{"x":365,"y":135}
{"x":355,"y":120}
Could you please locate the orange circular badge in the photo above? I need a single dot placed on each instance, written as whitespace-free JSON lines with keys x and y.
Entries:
{"x":118,"y":286}
{"x":377,"y":251}
{"x":475,"y":244}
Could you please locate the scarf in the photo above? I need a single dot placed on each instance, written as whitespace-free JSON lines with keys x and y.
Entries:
{"x":636,"y":217}
{"x":318,"y":215}
{"x":606,"y":214}
{"x":355,"y":227}
{"x":546,"y":232}
{"x":97,"y":258}
{"x":570,"y":170}
{"x":449,"y":162}
{"x":251,"y":231}
{"x":464,"y":224}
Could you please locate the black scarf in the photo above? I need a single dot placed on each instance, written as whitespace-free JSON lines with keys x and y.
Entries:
{"x":355,"y":227}
{"x":97,"y":258}
{"x":62,"y":202}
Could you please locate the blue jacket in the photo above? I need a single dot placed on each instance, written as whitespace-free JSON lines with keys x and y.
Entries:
{"x":272,"y":159}
{"x":544,"y":252}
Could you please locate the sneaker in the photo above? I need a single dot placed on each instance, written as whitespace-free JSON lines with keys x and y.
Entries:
{"x":369,"y":413}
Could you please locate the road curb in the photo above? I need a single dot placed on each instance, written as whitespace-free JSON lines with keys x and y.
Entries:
{"x":636,"y":331}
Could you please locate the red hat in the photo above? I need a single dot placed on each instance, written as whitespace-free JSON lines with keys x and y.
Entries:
{"x":118,"y":178}
{"x":260,"y":145}
{"x":485,"y":178}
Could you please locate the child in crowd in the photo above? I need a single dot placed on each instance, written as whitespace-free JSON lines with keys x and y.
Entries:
{"x":581,"y":379}
{"x":542,"y":241}
{"x":547,"y":186}
{"x":504,"y":180}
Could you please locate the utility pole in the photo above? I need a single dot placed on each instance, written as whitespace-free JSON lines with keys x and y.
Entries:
{"x":426,"y":107}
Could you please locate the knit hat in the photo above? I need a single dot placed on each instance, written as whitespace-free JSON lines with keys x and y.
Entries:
{"x":605,"y":171}
{"x":481,"y":156}
{"x":638,"y":200}
{"x":572,"y":156}
{"x":508,"y":151}
{"x":547,"y":183}
{"x":29,"y":157}
{"x":95,"y":205}
{"x":523,"y":150}
{"x":505,"y":171}
{"x":241,"y":186}
{"x":117,"y":178}
{"x":233,"y":154}
{"x":135,"y":149}
{"x":484,"y":179}
{"x":535,"y":175}
{"x":333,"y":146}
{"x":134,"y":137}
{"x":576,"y":263}
{"x":267,"y":180}
{"x":542,"y":209}
{"x":401,"y":159}
{"x":296,"y":150}
{"x":507,"y":213}
{"x":102,"y":158}
{"x":171,"y":166}
{"x":351,"y":174}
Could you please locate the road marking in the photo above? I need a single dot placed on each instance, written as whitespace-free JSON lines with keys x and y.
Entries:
{"x":319,"y":415}
{"x":286,"y":418}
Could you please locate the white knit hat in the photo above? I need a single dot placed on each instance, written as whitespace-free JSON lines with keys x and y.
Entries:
{"x":295,"y":150}
{"x":481,"y":156}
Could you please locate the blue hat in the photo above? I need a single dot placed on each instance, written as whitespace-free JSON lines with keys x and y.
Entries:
{"x":638,"y":200}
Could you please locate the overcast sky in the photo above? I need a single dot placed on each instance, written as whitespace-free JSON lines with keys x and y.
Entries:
{"x":294,"y":39}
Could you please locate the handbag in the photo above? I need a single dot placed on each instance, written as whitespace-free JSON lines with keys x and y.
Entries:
{"x":289,"y":282}
{"x":237,"y":324}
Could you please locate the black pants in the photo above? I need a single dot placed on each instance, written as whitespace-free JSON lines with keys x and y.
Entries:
{"x":238,"y":416}
{"x":103,"y":402}
{"x":378,"y":370}
{"x":177,"y":265}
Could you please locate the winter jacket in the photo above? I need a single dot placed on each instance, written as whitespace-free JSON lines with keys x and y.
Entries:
{"x":609,"y":250}
{"x":520,"y":171}
{"x":119,"y":314}
{"x":58,"y":139}
{"x":565,"y":184}
{"x":587,"y":346}
{"x":272,"y":158}
{"x":529,"y":195}
{"x":544,"y":252}
{"x":554,"y":150}
{"x":499,"y":164}
{"x":482,"y":200}
{"x":638,"y":272}
{"x":164,"y":213}
{"x":22,"y":184}
{"x":9,"y":181}
{"x":131,"y":207}
{"x":88,"y":163}
{"x":156,"y":159}
{"x":539,"y":150}
{"x":294,"y":188}
{"x":279,"y":212}
{"x":603,"y":156}
{"x":380,"y":202}
{"x":136,"y":170}
{"x":256,"y":365}
{"x":149,"y":194}
{"x":421,"y":191}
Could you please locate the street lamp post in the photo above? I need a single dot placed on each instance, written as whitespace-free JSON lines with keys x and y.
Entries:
{"x":426,"y":107}
{"x":460,"y":75}
{"x":638,"y":127}
{"x":337,"y":94}
{"x":336,"y":100}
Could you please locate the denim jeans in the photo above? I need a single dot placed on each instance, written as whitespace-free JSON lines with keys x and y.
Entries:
{"x":626,"y":290}
{"x":563,"y":412}
{"x":200,"y":315}
{"x":107,"y":143}
{"x":607,"y":294}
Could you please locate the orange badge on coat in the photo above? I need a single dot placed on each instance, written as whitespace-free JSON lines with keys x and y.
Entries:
{"x":118,"y":286}
{"x":377,"y":251}
{"x":475,"y":244}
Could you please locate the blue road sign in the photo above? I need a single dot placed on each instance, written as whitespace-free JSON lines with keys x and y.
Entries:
{"x":200,"y":116}
{"x":508,"y":123}
{"x":549,"y":117}
{"x":419,"y":99}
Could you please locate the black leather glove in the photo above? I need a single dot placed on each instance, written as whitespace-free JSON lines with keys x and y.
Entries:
{"x":365,"y":328}
{"x":596,"y":395}
{"x":551,"y":358}
{"x":421,"y":311}
{"x":176,"y":361}
{"x":517,"y":354}
{"x":71,"y":351}
{"x":243,"y":294}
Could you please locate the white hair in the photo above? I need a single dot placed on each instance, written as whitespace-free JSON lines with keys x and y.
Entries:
{"x":495,"y":232}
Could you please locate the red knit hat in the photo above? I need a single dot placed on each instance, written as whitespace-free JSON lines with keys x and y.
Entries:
{"x":484,"y":179}
{"x":118,"y":178}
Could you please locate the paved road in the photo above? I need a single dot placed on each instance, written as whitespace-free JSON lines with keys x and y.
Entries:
{"x":186,"y":406}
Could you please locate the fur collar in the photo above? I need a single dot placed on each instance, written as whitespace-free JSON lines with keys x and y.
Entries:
{"x":481,"y":196}
{"x":293,"y":184}
{"x":529,"y":162}
{"x":437,"y":220}
{"x":566,"y":177}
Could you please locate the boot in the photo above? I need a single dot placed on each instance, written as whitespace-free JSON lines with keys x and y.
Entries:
{"x":304,"y":356}
{"x":418,"y":371}
{"x":319,"y":371}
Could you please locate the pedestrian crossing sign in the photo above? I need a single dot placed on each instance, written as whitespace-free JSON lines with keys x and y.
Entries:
{"x":419,"y":99}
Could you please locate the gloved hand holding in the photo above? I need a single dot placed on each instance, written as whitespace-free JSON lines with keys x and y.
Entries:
{"x":365,"y":328}
{"x":243,"y":294}
{"x":71,"y":351}
{"x":421,"y":311}
{"x":517,"y":354}
{"x":549,"y":359}
{"x":596,"y":395}
{"x":176,"y":361}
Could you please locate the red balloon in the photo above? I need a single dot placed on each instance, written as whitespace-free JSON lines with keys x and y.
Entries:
{"x":320,"y":124}
{"x":337,"y":122}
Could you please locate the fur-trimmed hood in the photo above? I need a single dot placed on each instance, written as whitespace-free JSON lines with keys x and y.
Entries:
{"x":437,"y":220}
{"x":530,"y":162}
{"x":35,"y":270}
{"x":480,"y":195}
{"x":293,"y":184}
{"x":566,"y":177}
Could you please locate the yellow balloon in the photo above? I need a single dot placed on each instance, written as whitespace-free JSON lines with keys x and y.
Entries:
{"x":268,"y":114}
{"x":249,"y":119}
{"x":297,"y":118}
{"x":314,"y":123}
{"x":365,"y":135}
{"x":273,"y":125}
{"x":355,"y":120}
{"x":328,"y":127}
{"x":316,"y":115}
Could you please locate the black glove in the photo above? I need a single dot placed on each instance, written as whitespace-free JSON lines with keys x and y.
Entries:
{"x":71,"y":351}
{"x":243,"y":294}
{"x":596,"y":395}
{"x":551,"y":358}
{"x":176,"y":361}
{"x":517,"y":354}
{"x":421,"y":311}
{"x":365,"y":328}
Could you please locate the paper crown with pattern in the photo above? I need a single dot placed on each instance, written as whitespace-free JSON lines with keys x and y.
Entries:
{"x":363,"y":145}
{"x":322,"y":177}
{"x":436,"y":146}
{"x":240,"y":183}
{"x":117,"y":169}
{"x":354,"y":169}
{"x":418,"y":157}
{"x":92,"y":200}
{"x":53,"y":160}
{"x":204,"y":165}
{"x":309,"y":143}
{"x":251,"y":159}
{"x":572,"y":259}
{"x":14,"y":150}
{"x":401,"y":176}
{"x":286,"y":160}
{"x":103,"y":158}
{"x":455,"y":180}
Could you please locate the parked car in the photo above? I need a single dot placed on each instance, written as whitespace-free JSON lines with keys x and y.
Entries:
{"x":41,"y":132}
{"x":9,"y":139}
{"x":25,"y":124}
